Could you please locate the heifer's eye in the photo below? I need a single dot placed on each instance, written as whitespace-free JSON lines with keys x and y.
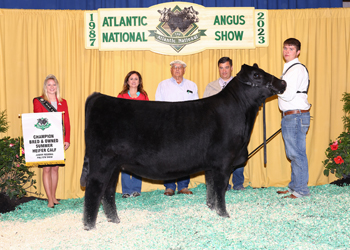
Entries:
{"x":256,"y":76}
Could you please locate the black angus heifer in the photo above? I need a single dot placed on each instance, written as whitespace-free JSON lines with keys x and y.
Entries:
{"x":169,"y":140}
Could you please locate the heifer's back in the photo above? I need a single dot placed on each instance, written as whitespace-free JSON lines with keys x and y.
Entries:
{"x":154,"y":135}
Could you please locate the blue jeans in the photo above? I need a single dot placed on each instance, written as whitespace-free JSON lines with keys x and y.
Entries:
{"x":181,"y":183}
{"x":238,"y":178}
{"x":294,"y":128}
{"x":131,"y":183}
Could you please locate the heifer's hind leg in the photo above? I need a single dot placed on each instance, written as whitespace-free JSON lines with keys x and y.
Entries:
{"x":98,"y":179}
{"x":108,"y":199}
{"x":92,"y":200}
{"x":220,"y":181}
{"x":210,"y":189}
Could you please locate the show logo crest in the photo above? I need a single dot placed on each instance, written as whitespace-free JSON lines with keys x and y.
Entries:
{"x":43,"y":123}
{"x":177,"y":27}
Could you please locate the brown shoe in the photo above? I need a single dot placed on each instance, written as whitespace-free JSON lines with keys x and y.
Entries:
{"x":169,"y":192}
{"x":283,"y":192}
{"x":184,"y":191}
{"x":292,"y":196}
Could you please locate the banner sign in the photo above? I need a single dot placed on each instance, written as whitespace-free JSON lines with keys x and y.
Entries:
{"x":176,"y":28}
{"x":43,"y":138}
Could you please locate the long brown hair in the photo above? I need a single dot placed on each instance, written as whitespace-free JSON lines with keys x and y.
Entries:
{"x":126,"y":85}
{"x":44,"y":94}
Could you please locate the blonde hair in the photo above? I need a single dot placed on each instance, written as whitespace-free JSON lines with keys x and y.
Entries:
{"x":44,"y":94}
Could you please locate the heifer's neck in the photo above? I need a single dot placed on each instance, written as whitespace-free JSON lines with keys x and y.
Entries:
{"x":246,"y":99}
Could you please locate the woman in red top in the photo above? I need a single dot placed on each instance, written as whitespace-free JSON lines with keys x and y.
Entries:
{"x":132,"y":89}
{"x":51,"y":94}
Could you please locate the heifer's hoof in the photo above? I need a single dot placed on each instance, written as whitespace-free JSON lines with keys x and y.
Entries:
{"x":115,"y":220}
{"x":223,"y":214}
{"x":89,"y":227}
{"x":210,"y":205}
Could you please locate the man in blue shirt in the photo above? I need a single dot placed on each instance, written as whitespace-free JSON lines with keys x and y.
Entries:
{"x":177,"y":89}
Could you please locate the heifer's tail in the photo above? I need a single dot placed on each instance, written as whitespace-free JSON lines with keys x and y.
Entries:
{"x":89,"y":102}
{"x":85,"y":172}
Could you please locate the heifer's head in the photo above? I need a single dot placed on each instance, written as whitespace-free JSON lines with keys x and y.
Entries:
{"x":267,"y":85}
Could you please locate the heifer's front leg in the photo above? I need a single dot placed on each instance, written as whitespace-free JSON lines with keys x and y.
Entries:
{"x":210,"y":189}
{"x":220,"y":181}
{"x":93,"y":194}
{"x":108,"y":199}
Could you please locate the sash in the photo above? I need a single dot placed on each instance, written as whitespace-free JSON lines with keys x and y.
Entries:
{"x":48,"y":106}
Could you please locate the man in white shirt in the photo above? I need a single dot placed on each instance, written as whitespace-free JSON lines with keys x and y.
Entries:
{"x":225,"y":72}
{"x":296,"y":118}
{"x":177,"y":89}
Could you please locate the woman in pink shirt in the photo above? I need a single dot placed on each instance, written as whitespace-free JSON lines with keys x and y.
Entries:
{"x":132,"y":89}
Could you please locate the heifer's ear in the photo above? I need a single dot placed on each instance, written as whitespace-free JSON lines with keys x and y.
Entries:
{"x":255,"y":65}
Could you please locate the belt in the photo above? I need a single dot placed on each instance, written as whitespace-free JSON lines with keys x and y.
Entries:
{"x":296,"y":111}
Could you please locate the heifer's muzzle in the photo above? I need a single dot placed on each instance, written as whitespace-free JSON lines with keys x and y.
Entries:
{"x":277,"y":86}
